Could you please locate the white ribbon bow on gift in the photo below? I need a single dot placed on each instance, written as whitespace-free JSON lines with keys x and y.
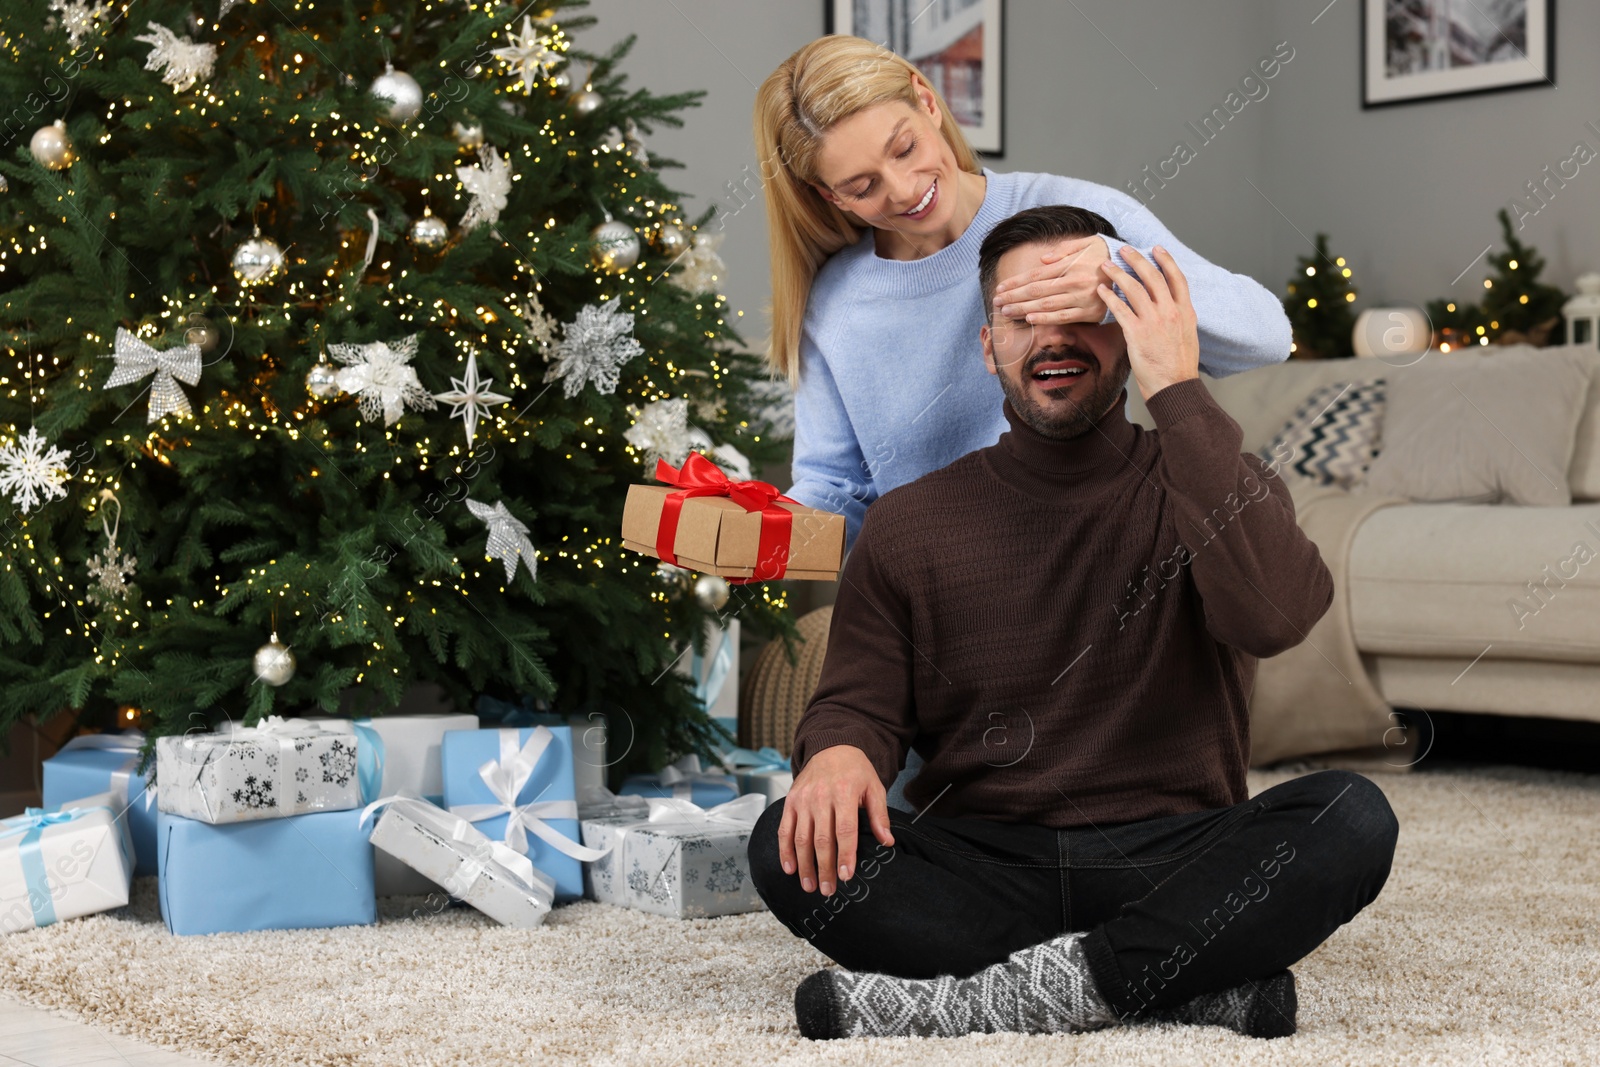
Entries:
{"x":740,"y":813}
{"x":485,"y":852}
{"x":505,"y":778}
{"x":681,"y":774}
{"x":135,"y":359}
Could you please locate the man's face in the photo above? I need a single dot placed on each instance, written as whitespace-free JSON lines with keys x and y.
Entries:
{"x":1060,"y":379}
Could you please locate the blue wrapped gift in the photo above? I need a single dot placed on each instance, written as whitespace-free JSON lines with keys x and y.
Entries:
{"x":297,"y":872}
{"x":685,"y":780}
{"x":107,"y":763}
{"x":766,"y":772}
{"x":517,"y":786}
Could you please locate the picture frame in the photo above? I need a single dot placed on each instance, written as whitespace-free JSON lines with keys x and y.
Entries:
{"x":957,"y":44}
{"x":1415,"y":50}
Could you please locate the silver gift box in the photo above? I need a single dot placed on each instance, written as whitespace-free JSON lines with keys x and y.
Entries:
{"x":455,"y":855}
{"x":685,"y":870}
{"x":282,"y":767}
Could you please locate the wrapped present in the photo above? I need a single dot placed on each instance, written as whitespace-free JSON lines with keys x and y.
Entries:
{"x":681,"y":860}
{"x":766,"y":772}
{"x":684,"y":779}
{"x":279,"y":767}
{"x":745,"y":531}
{"x":598,"y":802}
{"x":517,"y":786}
{"x":448,"y":851}
{"x":60,"y":863}
{"x":715,"y":675}
{"x":108,"y":763}
{"x":399,"y":754}
{"x":298,"y":872}
{"x":589,"y":737}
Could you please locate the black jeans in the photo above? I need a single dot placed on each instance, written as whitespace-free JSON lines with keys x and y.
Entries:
{"x":1175,"y":906}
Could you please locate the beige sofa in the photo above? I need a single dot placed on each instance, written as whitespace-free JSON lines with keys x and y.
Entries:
{"x":1431,"y":586}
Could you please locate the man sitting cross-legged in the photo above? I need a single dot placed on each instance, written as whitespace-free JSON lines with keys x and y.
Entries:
{"x":1066,"y":625}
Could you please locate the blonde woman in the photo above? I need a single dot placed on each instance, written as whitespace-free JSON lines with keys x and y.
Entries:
{"x":876,"y":208}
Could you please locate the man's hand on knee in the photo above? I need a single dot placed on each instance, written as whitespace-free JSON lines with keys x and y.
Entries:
{"x":818,"y":835}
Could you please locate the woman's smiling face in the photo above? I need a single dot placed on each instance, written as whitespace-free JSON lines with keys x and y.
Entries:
{"x":890,"y":167}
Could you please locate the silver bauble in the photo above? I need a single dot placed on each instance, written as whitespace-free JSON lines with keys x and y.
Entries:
{"x":52,"y":146}
{"x":613,"y":246}
{"x":613,"y":141}
{"x":274,"y":663}
{"x":402,"y":92}
{"x":561,"y":80}
{"x":257,"y":260}
{"x":672,"y":241}
{"x":5,"y":186}
{"x":469,"y":137}
{"x":586,"y":101}
{"x":430,"y":233}
{"x":322,"y":380}
{"x":711,"y":591}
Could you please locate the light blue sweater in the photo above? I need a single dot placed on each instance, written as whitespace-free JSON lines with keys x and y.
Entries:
{"x":892,"y":381}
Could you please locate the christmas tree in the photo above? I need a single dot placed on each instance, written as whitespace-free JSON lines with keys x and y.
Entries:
{"x":1318,"y":306}
{"x":1516,"y":307}
{"x":335,"y":334}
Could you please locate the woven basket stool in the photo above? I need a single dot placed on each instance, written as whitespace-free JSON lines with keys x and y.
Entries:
{"x":776,"y":692}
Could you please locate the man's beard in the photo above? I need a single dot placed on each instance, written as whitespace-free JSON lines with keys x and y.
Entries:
{"x":1069,"y":416}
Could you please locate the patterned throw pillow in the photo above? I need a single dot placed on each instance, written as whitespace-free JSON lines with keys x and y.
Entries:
{"x":1333,"y":436}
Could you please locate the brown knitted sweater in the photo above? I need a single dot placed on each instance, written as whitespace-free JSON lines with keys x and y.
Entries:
{"x":1067,"y":631}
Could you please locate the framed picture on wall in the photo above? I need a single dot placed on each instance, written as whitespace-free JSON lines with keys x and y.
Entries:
{"x":1426,"y":49}
{"x":957,"y":44}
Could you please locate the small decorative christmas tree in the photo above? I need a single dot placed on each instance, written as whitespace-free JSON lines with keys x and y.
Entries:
{"x":1519,"y":308}
{"x":1318,"y":306}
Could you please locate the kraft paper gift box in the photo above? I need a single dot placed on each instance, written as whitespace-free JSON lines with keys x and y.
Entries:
{"x":685,"y":780}
{"x":298,"y":872}
{"x":516,"y":786}
{"x":60,"y":863}
{"x":741,"y":530}
{"x":108,"y":763}
{"x":681,"y":861}
{"x":279,"y":767}
{"x":450,"y":852}
{"x":399,"y":754}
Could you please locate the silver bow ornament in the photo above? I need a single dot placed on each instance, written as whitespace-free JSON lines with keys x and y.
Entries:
{"x":135,"y":360}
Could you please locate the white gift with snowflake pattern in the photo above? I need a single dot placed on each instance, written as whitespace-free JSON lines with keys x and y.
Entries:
{"x":686,"y":872}
{"x":287,"y":767}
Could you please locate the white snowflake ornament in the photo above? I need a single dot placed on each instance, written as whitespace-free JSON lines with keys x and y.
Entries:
{"x":79,"y":18}
{"x":32,"y":471}
{"x":489,"y":183}
{"x":471,"y":399}
{"x":508,"y":538}
{"x":541,"y":326}
{"x":185,"y":62}
{"x":661,"y":431}
{"x":595,"y":346}
{"x":384,"y":378}
{"x":527,"y":55}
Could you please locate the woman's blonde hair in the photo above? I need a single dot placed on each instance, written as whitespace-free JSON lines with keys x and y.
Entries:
{"x":828,"y":80}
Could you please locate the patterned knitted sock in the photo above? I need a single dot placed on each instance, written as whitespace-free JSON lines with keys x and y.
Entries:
{"x":1042,"y":989}
{"x":1264,"y":1008}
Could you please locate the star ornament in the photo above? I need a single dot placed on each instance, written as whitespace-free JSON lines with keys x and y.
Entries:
{"x":471,"y":399}
{"x":527,"y":55}
{"x":384,"y":378}
{"x":508,"y":538}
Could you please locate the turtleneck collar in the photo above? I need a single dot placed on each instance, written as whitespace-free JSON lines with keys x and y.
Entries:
{"x":1034,"y":463}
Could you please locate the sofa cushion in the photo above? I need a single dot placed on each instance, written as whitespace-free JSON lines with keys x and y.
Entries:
{"x":1464,"y":580}
{"x":1483,"y":429}
{"x":1333,"y":437}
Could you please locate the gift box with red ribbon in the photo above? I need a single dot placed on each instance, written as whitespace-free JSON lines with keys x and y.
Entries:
{"x":744,"y":531}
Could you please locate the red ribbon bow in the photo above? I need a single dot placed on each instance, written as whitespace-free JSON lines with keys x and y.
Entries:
{"x":701,"y":477}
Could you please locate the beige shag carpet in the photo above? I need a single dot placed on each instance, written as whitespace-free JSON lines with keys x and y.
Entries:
{"x":1482,"y":948}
